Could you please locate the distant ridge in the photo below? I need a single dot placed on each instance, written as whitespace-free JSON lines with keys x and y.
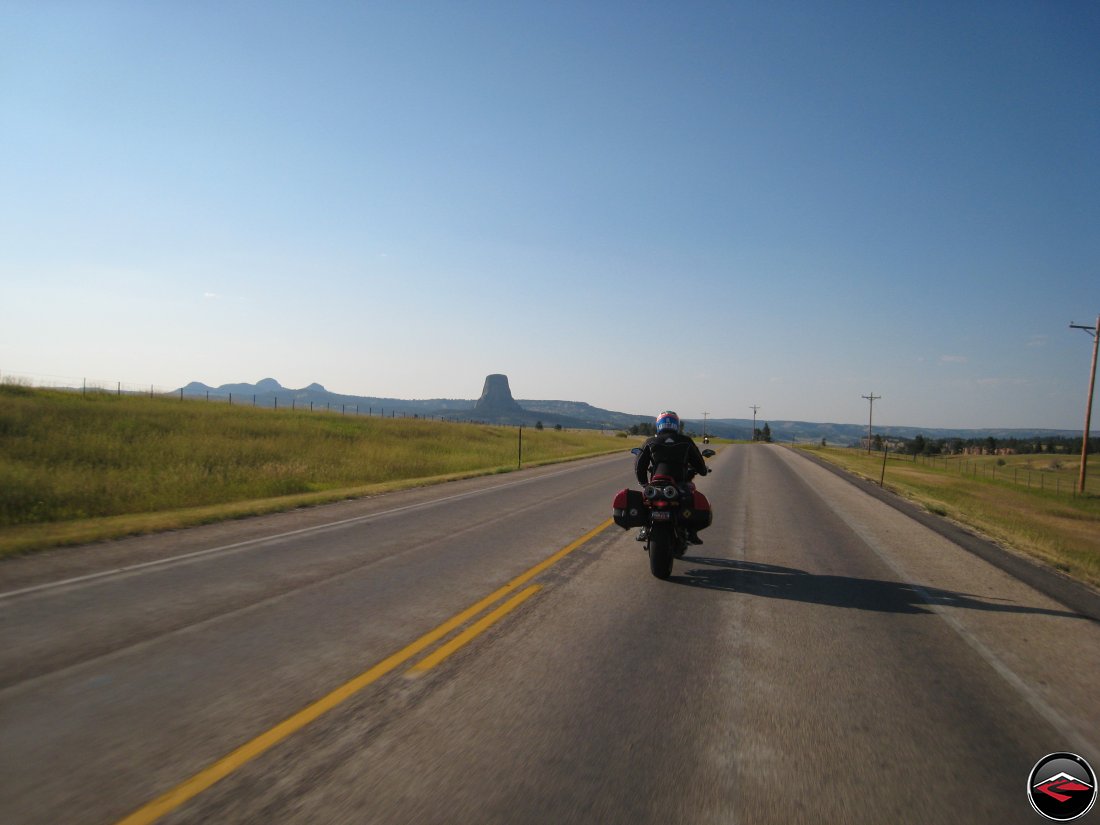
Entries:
{"x":575,"y":414}
{"x":268,"y":389}
{"x":847,"y":434}
{"x":496,"y":404}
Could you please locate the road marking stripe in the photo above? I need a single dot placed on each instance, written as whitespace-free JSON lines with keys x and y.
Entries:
{"x":1069,"y":732}
{"x":168,"y":802}
{"x":130,"y":568}
{"x":561,"y":554}
{"x":474,"y":630}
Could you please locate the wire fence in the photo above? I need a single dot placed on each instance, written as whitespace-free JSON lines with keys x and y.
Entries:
{"x":284,"y":399}
{"x":1050,"y":479}
{"x":287,"y":399}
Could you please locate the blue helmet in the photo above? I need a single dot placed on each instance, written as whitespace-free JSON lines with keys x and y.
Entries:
{"x":668,"y":421}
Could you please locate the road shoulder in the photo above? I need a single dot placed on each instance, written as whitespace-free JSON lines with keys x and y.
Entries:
{"x":1074,"y":594}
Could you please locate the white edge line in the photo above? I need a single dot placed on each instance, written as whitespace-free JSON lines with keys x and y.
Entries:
{"x":1022,"y":688}
{"x":129,"y":568}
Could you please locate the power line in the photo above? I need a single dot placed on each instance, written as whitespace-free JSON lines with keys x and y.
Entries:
{"x":1095,"y":333}
{"x":872,"y":398}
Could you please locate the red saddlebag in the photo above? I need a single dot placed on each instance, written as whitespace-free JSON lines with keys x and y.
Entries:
{"x":698,"y":515}
{"x":629,"y":509}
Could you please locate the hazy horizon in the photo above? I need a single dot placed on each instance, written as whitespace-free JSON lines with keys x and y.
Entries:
{"x":139,"y":389}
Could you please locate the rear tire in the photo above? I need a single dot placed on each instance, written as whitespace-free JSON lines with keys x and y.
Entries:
{"x":660,"y":548}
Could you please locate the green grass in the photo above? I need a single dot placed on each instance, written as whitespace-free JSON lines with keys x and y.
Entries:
{"x":1060,"y":529}
{"x":76,"y":468}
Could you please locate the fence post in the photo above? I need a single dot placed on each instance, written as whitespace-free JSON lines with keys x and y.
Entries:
{"x":276,"y":402}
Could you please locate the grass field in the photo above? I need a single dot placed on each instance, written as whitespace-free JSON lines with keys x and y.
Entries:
{"x":1056,"y":472}
{"x":1058,"y":528}
{"x":78,"y":468}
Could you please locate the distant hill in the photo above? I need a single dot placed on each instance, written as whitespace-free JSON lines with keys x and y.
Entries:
{"x":847,"y":434}
{"x":268,"y":390}
{"x":573,"y":414}
{"x":270,"y":393}
{"x":586,"y":413}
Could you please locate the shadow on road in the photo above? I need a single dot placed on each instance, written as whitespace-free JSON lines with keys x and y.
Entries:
{"x":776,"y":582}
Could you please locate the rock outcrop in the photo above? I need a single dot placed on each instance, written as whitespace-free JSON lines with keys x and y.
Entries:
{"x":496,"y":397}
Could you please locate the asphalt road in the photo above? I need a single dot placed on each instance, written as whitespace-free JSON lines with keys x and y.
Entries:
{"x":489,"y":651}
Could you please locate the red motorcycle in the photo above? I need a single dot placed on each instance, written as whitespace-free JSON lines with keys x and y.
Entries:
{"x":668,"y":512}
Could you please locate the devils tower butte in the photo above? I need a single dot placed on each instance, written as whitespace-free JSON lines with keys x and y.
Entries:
{"x":496,"y":397}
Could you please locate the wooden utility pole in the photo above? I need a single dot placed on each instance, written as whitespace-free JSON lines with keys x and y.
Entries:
{"x":872,"y":398}
{"x":1095,"y":333}
{"x":754,"y":409}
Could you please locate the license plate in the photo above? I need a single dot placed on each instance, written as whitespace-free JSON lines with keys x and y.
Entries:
{"x":660,"y":515}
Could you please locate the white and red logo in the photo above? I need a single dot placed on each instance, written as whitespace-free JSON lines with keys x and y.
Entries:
{"x":1062,"y":786}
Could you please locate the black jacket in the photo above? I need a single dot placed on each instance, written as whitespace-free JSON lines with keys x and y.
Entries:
{"x":669,"y":454}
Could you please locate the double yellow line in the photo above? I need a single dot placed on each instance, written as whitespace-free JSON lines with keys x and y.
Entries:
{"x":198,"y":783}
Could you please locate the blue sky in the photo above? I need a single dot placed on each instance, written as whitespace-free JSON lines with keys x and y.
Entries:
{"x":702,"y":206}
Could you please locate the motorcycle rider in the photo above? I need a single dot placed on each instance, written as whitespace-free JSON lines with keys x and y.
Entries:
{"x":669,"y":453}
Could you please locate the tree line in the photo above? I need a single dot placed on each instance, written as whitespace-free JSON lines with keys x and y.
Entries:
{"x":645,"y":428}
{"x":919,"y":445}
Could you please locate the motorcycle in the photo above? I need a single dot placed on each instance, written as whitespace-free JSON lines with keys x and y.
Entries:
{"x":667,"y":512}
